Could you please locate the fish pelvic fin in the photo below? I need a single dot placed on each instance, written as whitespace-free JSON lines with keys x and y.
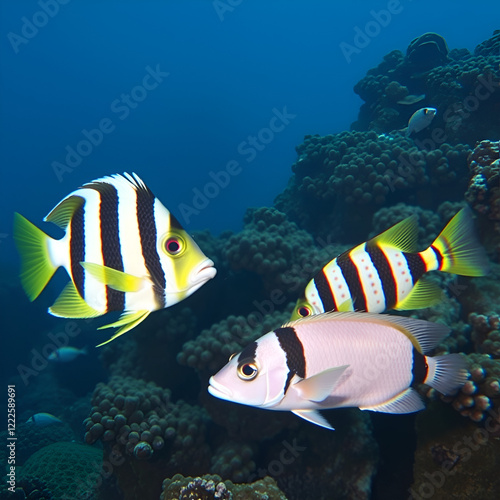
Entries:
{"x":70,"y":304}
{"x":37,"y":267}
{"x":459,"y":249}
{"x":118,"y":280}
{"x":127,"y":321}
{"x":423,"y":294}
{"x":446,"y":373}
{"x":407,"y":401}
{"x":314,"y":417}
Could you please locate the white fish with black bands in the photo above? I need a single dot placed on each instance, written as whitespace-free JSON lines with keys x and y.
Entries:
{"x":340,"y":359}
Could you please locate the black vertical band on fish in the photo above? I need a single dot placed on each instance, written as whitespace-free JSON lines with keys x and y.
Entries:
{"x":353,"y":280}
{"x":110,"y":239}
{"x":324,"y":291}
{"x":249,"y":352}
{"x":77,"y":248}
{"x":174,"y":223}
{"x":416,"y":265}
{"x":419,"y":369}
{"x":147,"y":231}
{"x":294,"y":351}
{"x":439,"y":256}
{"x":385,"y":274}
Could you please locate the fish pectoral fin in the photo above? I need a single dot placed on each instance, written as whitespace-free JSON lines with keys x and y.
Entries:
{"x":118,"y":280}
{"x":70,"y":304}
{"x":423,"y":294}
{"x":314,"y":417}
{"x":318,"y":387}
{"x":127,"y":321}
{"x":407,"y":401}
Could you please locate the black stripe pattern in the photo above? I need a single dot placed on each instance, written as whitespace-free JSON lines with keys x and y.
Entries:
{"x":385,"y":274}
{"x":351,"y":276}
{"x":324,"y":291}
{"x":77,"y":248}
{"x":419,"y":369}
{"x":110,"y":239}
{"x":416,"y":265}
{"x":147,"y":232}
{"x":294,"y":352}
{"x":248,"y":353}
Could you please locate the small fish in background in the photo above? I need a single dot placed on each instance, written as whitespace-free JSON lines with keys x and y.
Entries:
{"x":384,"y":273}
{"x":420,"y":119}
{"x":123,"y":250}
{"x":338,"y":360}
{"x":66,"y":354}
{"x":43,"y":419}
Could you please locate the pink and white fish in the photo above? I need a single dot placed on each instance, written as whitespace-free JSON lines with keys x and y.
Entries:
{"x":340,"y":359}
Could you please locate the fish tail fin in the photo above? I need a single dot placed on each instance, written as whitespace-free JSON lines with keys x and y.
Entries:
{"x":37,"y":267}
{"x":446,"y":373}
{"x":459,"y":249}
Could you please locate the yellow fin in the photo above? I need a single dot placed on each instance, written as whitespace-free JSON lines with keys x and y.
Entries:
{"x":36,"y":266}
{"x":347,"y":305}
{"x":118,"y":280}
{"x":402,"y":235}
{"x":61,"y":214}
{"x":70,"y":304}
{"x":461,"y":251}
{"x":127,"y":321}
{"x":423,"y":294}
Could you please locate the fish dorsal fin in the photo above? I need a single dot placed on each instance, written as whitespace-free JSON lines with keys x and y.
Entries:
{"x":126,"y":321}
{"x":402,"y":236}
{"x":118,"y":280}
{"x":423,"y":294}
{"x":407,"y":401}
{"x":320,"y":386}
{"x":62,"y":213}
{"x":424,"y":335}
{"x":314,"y":417}
{"x":70,"y":304}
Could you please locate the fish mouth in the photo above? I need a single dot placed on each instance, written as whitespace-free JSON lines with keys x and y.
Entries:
{"x":204,"y":272}
{"x":218,"y":390}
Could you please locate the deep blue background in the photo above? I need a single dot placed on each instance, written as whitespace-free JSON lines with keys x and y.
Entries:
{"x":225,"y":77}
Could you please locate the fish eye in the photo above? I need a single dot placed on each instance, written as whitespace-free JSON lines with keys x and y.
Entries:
{"x":304,"y":311}
{"x":174,"y":245}
{"x":247,"y":370}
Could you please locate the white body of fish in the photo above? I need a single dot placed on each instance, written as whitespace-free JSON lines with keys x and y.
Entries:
{"x":340,"y":359}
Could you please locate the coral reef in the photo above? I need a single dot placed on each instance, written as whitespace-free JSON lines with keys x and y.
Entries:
{"x":67,"y":470}
{"x":483,"y":193}
{"x":211,"y":487}
{"x":462,"y":86}
{"x":365,"y":170}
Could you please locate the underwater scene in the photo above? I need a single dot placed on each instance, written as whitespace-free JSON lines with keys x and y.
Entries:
{"x":250,"y":250}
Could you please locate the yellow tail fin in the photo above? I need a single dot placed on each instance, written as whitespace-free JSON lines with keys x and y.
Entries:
{"x":461,"y":251}
{"x":36,"y":266}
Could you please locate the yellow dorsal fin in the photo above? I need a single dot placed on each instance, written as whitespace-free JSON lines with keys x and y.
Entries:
{"x":423,"y":294}
{"x":118,"y":280}
{"x":70,"y":304}
{"x":61,"y":214}
{"x":127,"y":321}
{"x":402,"y":235}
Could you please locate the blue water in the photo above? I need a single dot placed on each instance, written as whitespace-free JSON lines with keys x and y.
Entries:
{"x":186,"y":94}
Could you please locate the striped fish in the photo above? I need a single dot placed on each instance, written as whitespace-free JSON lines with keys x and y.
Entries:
{"x":384,"y":272}
{"x":123,"y":250}
{"x":337,"y":360}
